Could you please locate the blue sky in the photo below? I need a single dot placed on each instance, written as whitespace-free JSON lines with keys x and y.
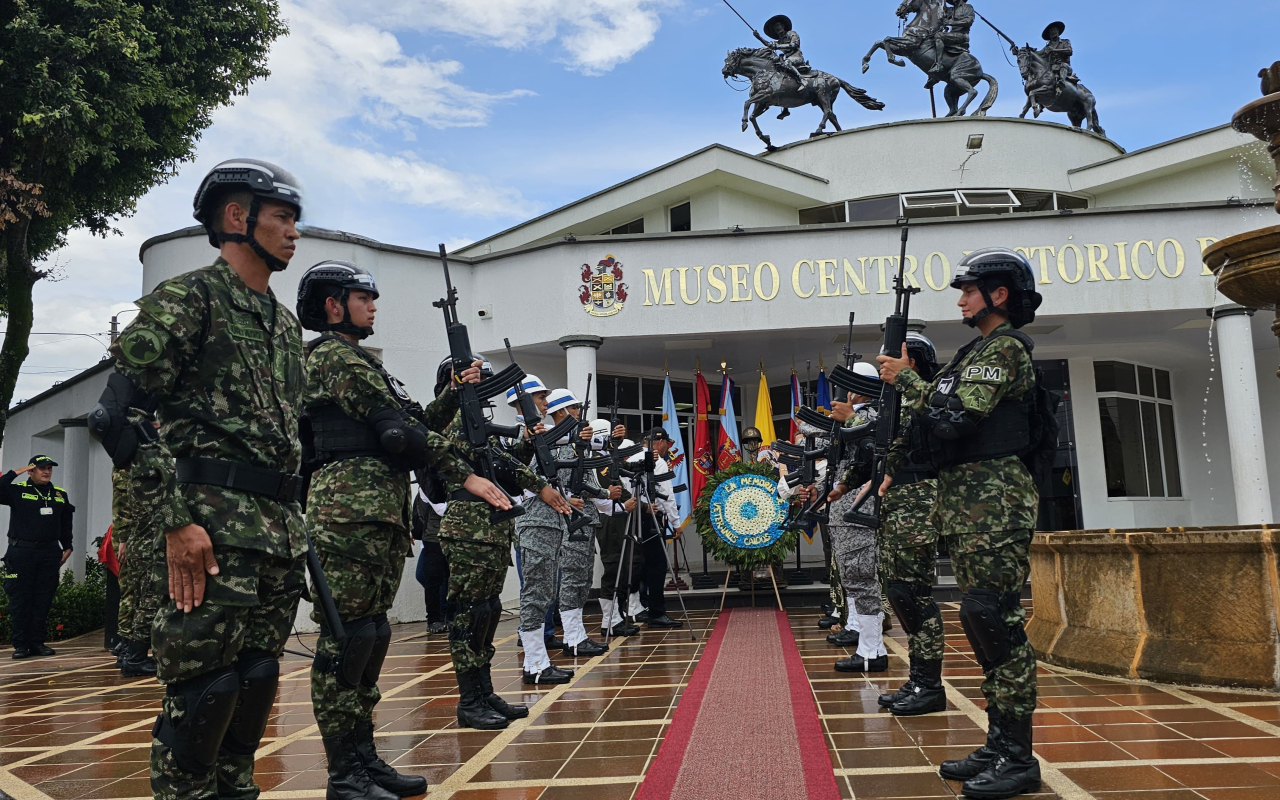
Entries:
{"x":419,"y":121}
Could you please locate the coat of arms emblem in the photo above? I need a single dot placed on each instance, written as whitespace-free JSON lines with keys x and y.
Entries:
{"x":602,"y":293}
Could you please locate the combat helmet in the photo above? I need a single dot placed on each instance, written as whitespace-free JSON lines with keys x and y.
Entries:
{"x":334,"y":279}
{"x":922,"y":350}
{"x":991,"y":267}
{"x":265,"y":181}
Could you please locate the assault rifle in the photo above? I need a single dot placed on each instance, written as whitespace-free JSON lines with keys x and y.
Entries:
{"x":618,"y":456}
{"x":473,"y":397}
{"x":582,"y":462}
{"x":886,"y":428}
{"x":548,"y":466}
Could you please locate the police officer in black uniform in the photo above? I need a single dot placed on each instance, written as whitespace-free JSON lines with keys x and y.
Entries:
{"x":39,"y":544}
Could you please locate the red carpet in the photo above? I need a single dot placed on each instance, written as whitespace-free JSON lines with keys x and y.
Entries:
{"x":746,"y":727}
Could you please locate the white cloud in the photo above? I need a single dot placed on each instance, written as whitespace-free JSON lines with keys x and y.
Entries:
{"x":595,"y":35}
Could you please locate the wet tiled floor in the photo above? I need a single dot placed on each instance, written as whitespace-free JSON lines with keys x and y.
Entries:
{"x":73,"y":729}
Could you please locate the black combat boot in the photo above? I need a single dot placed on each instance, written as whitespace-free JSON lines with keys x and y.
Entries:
{"x":926,"y":695}
{"x":1014,"y":771}
{"x":965,"y":768}
{"x":382,"y":773}
{"x":549,"y":676}
{"x":495,"y":700}
{"x":856,"y":663}
{"x":348,"y":778}
{"x":473,"y":709}
{"x":848,"y":637}
{"x":122,"y":646}
{"x":889,"y":698}
{"x":587,"y":648}
{"x":137,"y":664}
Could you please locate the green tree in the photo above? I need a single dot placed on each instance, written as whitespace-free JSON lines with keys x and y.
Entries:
{"x":100,"y":100}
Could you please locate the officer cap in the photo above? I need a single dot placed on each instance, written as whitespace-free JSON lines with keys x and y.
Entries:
{"x":658,"y":434}
{"x":1009,"y":268}
{"x":265,"y":180}
{"x":42,"y":461}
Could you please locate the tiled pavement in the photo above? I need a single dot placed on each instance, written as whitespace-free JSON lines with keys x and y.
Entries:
{"x":72,"y":729}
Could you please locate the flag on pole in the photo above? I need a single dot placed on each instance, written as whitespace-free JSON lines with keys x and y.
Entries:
{"x":764,"y":413}
{"x":704,"y":464}
{"x":676,"y":455}
{"x":823,"y":401}
{"x":797,"y":400}
{"x":728,"y":449}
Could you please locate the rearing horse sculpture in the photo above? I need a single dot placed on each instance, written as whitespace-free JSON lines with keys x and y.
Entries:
{"x":960,"y":73}
{"x":772,"y":87}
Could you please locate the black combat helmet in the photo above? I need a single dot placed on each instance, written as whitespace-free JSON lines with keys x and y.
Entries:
{"x":926,"y":355}
{"x":264,"y":180}
{"x":334,"y":279}
{"x":992,"y":267}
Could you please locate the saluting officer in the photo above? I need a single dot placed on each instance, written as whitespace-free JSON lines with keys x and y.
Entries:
{"x":219,"y":359}
{"x":361,"y":437}
{"x":977,"y":413}
{"x":39,"y":544}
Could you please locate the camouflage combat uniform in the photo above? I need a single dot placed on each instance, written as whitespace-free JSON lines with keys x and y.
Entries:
{"x":542,"y":533}
{"x":578,"y":558}
{"x":358,"y":515}
{"x":989,"y":507}
{"x":140,"y":591}
{"x":478,"y":552}
{"x":854,"y":546}
{"x":226,"y":365}
{"x":908,"y":553}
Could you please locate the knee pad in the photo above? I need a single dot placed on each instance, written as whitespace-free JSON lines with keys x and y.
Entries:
{"x":259,"y":674}
{"x":495,"y":618}
{"x":982,"y":616}
{"x":381,"y":641}
{"x":475,"y":633}
{"x":902,"y":597}
{"x":210,"y":702}
{"x":353,"y":653}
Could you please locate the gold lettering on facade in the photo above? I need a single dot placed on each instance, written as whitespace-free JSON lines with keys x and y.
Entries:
{"x":653,"y":290}
{"x":1205,"y":241}
{"x":739,"y":282}
{"x":909,"y":274}
{"x":795,"y":279}
{"x":697,"y":279}
{"x":1179,"y":256}
{"x":827,"y":275}
{"x":928,"y":271}
{"x":716,"y":284}
{"x":879,"y":261}
{"x":1079,"y":262}
{"x":1137,"y":265}
{"x":776,"y":281}
{"x":1123,"y":256}
{"x":1098,"y":254}
{"x":857,"y":277}
{"x":1044,"y":253}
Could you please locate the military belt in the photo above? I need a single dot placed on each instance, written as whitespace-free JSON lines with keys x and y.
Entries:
{"x":284,"y":487}
{"x":908,"y":477}
{"x":463,"y":496}
{"x":32,"y":543}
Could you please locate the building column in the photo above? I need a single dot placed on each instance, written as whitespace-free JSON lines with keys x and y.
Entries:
{"x":1244,"y":414}
{"x":75,"y":479}
{"x":579,"y":362}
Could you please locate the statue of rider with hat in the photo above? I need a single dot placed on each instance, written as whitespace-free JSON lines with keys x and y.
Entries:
{"x":786,"y":44}
{"x":1057,"y":52}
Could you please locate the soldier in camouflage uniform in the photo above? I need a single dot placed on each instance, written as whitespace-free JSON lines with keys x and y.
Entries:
{"x":478,"y":550}
{"x":977,"y":414}
{"x":908,"y":558}
{"x":220,"y":361}
{"x":140,"y":554}
{"x":361,"y":436}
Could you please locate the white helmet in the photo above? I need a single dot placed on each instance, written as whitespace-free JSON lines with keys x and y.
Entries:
{"x":867,"y":370}
{"x":561,"y":398}
{"x":600,"y":427}
{"x":531,"y":385}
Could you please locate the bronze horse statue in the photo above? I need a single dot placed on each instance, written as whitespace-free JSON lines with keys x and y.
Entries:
{"x":772,"y":87}
{"x":1046,"y":93}
{"x":960,"y":73}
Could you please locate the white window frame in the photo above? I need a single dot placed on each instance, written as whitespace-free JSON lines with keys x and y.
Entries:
{"x":1013,"y":199}
{"x":1157,"y":400}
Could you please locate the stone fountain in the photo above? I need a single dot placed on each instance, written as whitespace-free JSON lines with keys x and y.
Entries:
{"x":1115,"y":601}
{"x":1248,"y":264}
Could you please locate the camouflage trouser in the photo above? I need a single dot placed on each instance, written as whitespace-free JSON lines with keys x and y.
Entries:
{"x":577,"y":562}
{"x":248,"y":606}
{"x":540,"y":554}
{"x":476,"y":572}
{"x":854,"y":550}
{"x":999,"y":561}
{"x":610,"y":536}
{"x":836,"y":592}
{"x":359,"y":589}
{"x":908,"y":553}
{"x":140,"y":591}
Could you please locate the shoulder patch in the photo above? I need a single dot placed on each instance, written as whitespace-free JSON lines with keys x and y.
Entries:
{"x":154,"y":308}
{"x":140,"y":346}
{"x":175,"y":289}
{"x":984,"y":374}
